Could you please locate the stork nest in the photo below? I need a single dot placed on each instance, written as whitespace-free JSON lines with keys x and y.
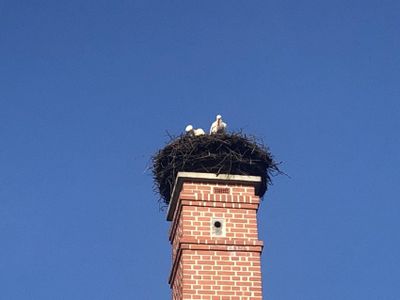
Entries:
{"x":229,"y":153}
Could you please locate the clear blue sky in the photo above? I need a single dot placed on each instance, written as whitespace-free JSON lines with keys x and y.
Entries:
{"x":88,"y":90}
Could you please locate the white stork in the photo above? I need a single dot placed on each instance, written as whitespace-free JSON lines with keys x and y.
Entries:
{"x":218,"y":126}
{"x":194,"y":132}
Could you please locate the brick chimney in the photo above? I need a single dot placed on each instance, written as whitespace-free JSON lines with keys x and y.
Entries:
{"x":216,"y":252}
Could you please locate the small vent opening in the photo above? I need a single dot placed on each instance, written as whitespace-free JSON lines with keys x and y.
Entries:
{"x":218,"y":227}
{"x":218,"y":190}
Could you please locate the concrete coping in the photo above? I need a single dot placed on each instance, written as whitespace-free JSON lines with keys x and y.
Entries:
{"x":206,"y":177}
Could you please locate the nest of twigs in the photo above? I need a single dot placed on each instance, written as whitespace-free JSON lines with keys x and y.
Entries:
{"x":228,"y":153}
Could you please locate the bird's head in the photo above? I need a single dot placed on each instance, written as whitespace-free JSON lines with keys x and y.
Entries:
{"x":189,"y":128}
{"x":219,"y":117}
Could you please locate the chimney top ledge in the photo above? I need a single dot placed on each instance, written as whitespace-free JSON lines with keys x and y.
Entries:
{"x":206,"y":177}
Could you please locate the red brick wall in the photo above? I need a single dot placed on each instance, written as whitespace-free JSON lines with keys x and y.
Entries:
{"x":218,"y":267}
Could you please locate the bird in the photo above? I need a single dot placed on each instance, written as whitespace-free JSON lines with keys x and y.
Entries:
{"x":218,"y":126}
{"x":194,"y":132}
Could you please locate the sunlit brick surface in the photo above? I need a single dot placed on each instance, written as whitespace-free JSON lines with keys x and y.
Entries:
{"x":216,"y":267}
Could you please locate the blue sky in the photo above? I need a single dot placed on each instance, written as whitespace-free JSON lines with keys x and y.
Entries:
{"x":88,"y":90}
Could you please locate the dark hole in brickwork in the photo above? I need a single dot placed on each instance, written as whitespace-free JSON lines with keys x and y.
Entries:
{"x":222,"y":190}
{"x":217,"y":224}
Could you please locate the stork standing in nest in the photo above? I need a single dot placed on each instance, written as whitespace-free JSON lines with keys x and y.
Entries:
{"x":218,"y":126}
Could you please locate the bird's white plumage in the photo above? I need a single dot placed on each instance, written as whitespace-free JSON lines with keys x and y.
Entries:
{"x":218,"y":126}
{"x":196,"y":132}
